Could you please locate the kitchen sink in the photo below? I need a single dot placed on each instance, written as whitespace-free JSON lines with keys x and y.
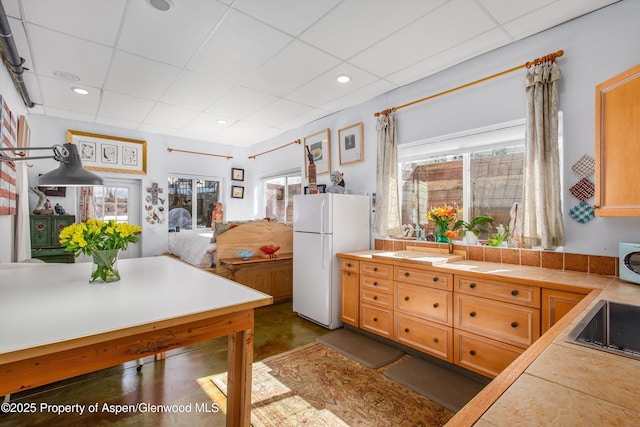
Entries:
{"x":612,"y":327}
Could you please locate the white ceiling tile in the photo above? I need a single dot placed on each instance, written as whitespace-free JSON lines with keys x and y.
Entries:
{"x":20,"y":38}
{"x":205,"y":124}
{"x":441,"y":61}
{"x":95,"y":20}
{"x":326,"y":88}
{"x":172,"y":37}
{"x":240,"y":102}
{"x":139,"y":77}
{"x":170,"y":116}
{"x":447,"y":26}
{"x":298,"y":14}
{"x":304,"y":118}
{"x":60,"y":52}
{"x":278,"y":112}
{"x":58,"y":94}
{"x":356,"y":25}
{"x":33,"y":87}
{"x":66,"y":114}
{"x":361,"y":95}
{"x":506,"y":10}
{"x":12,"y":9}
{"x":296,"y":65}
{"x":237,"y":47}
{"x":242,"y":130}
{"x":196,"y":91}
{"x":115,"y":105}
{"x":117,"y":123}
{"x":162,"y":130}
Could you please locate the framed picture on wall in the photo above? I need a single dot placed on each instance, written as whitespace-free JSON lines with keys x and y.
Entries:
{"x":110,"y":153}
{"x":237,"y":192}
{"x":320,"y":147}
{"x":237,"y":174}
{"x":351,"y":144}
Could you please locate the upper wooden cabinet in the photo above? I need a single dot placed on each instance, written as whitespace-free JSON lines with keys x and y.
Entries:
{"x":617,"y":154}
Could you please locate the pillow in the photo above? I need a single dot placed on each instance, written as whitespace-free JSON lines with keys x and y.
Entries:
{"x":222,"y":227}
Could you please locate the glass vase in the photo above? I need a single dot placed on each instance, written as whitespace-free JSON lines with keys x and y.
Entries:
{"x":105,"y":266}
{"x":440,"y":233}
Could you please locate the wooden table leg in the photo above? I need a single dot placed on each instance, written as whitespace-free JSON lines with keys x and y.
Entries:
{"x":240,"y":359}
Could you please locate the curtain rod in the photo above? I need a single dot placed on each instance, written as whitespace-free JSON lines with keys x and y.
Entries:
{"x":538,"y":61}
{"x":197,"y":152}
{"x":297,"y":141}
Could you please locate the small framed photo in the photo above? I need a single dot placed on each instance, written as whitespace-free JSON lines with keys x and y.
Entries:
{"x":351,"y":144}
{"x":322,"y":188}
{"x":237,"y":192}
{"x":237,"y":174}
{"x":320,"y":148}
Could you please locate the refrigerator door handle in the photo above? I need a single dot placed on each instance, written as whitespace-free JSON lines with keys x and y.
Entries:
{"x":322,"y":212}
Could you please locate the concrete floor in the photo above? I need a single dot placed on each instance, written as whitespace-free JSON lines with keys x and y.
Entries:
{"x":172,"y":381}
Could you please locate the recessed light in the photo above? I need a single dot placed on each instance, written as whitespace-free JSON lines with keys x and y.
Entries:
{"x":161,"y":5}
{"x":221,"y":122}
{"x":343,"y":78}
{"x":66,"y":76}
{"x":80,"y":91}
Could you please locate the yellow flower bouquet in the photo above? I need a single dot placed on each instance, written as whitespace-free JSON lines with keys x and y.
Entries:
{"x":102,"y":241}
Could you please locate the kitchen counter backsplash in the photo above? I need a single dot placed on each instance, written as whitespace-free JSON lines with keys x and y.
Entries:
{"x":593,"y":264}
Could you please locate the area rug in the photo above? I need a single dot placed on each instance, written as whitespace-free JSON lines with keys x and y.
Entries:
{"x":314,"y":385}
{"x":441,"y":385}
{"x":369,"y":352}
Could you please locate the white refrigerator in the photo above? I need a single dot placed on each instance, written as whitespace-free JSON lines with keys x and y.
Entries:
{"x":323,"y":225}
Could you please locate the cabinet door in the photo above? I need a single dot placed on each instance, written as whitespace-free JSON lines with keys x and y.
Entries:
{"x":57,"y":224}
{"x":40,"y":231}
{"x":349,"y":297}
{"x":617,"y":154}
{"x":556,"y":304}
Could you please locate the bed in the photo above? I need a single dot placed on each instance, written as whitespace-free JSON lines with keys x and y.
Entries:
{"x":193,"y":247}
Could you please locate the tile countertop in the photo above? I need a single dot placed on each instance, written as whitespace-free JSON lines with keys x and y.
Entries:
{"x":555,"y":382}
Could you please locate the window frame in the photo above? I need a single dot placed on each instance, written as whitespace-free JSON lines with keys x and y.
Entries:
{"x":194,"y":209}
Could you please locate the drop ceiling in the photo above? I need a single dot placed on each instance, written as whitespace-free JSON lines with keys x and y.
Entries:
{"x":240,"y":72}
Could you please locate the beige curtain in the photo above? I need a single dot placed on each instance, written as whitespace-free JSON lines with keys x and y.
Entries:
{"x":387,"y":214}
{"x":87,"y":204}
{"x":542,"y":216}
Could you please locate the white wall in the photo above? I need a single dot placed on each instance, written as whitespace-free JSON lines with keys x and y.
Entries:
{"x":597,"y":46}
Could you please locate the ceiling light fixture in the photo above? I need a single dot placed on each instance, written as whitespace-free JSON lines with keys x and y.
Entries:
{"x":161,"y":5}
{"x":80,"y":91}
{"x":343,"y":78}
{"x":221,"y":122}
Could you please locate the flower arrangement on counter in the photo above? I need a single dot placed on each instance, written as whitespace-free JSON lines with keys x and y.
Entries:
{"x":102,"y":241}
{"x":96,"y":235}
{"x":443,"y":217}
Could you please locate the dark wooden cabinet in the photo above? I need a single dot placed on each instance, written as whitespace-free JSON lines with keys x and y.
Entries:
{"x":45,"y":231}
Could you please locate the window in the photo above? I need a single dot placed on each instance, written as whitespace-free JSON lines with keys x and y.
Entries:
{"x":192,"y":201}
{"x":480,"y":171}
{"x":278,"y":195}
{"x":112,"y":202}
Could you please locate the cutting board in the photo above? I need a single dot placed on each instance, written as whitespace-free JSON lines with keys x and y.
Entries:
{"x":420,"y":257}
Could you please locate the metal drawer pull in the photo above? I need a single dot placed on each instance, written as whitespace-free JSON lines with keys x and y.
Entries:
{"x":375,"y":268}
{"x":406,"y":274}
{"x":435,"y":340}
{"x":375,"y":283}
{"x":436,"y":305}
{"x":375,"y":319}
{"x":348,"y":264}
{"x":472,"y":352}
{"x":472,"y":314}
{"x":375,"y":297}
{"x":406,"y":298}
{"x":514,"y":293}
{"x":472,"y":285}
{"x":348,"y":273}
{"x":435,"y":279}
{"x":406,"y":330}
{"x":514,"y":324}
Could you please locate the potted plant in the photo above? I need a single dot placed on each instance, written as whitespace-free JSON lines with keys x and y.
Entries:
{"x":475,"y":226}
{"x":501,"y":235}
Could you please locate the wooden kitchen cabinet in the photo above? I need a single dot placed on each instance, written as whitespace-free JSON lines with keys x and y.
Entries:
{"x":349,"y":292}
{"x":556,"y":304}
{"x":376,"y":306}
{"x":45,"y":237}
{"x":617,"y":151}
{"x":483,"y":355}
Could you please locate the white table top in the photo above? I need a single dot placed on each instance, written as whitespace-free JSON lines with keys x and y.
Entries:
{"x":49,"y":303}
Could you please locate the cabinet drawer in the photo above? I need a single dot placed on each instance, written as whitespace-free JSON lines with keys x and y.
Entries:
{"x":427,"y":303}
{"x":376,"y":298}
{"x":430,"y":338}
{"x":376,"y":320}
{"x":376,"y":284}
{"x":350,"y":265}
{"x":501,"y":291}
{"x":512,"y":324}
{"x":482,"y":355}
{"x":424,"y":277}
{"x":382,"y":271}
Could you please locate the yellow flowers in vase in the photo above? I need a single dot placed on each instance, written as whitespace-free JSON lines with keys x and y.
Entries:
{"x":102,"y":241}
